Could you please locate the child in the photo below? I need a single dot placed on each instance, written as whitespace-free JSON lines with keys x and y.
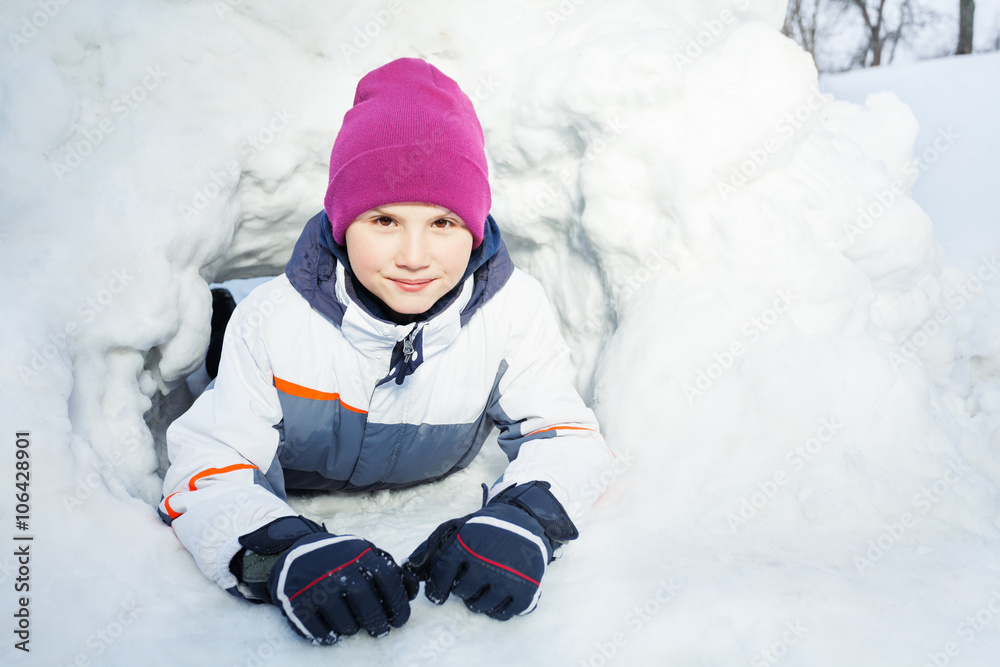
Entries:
{"x":399,"y":335}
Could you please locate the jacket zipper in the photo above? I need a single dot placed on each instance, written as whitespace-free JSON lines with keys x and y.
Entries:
{"x":408,"y":345}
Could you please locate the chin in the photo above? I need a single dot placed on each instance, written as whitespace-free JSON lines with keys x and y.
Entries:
{"x":408,"y":310}
{"x":408,"y":307}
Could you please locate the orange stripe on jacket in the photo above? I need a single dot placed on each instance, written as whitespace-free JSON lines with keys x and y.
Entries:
{"x":218,"y":471}
{"x":314,"y":394}
{"x":173,"y":514}
{"x":556,"y":428}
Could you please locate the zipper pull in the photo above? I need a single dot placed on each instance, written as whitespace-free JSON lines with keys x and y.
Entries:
{"x":408,"y":346}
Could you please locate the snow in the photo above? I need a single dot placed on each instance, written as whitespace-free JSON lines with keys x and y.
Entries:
{"x":957,"y":113}
{"x":800,"y":382}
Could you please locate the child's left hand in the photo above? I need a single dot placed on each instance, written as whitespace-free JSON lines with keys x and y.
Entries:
{"x":494,"y":559}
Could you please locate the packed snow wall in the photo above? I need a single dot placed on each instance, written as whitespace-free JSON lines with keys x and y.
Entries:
{"x":801,"y":394}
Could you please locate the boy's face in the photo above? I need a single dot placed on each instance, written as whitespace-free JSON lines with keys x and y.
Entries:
{"x":408,"y":255}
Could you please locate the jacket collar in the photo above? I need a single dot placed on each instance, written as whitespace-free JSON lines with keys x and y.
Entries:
{"x":372,"y":335}
{"x":324,"y":282}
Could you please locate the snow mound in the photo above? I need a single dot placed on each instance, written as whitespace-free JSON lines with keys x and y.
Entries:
{"x":804,"y":398}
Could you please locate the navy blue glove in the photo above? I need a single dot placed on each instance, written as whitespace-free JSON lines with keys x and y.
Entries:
{"x":494,"y":559}
{"x":326,"y":585}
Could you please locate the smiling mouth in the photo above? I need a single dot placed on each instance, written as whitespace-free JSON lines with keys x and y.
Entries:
{"x":412,"y":285}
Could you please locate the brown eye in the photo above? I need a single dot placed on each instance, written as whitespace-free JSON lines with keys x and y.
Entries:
{"x":443,"y":223}
{"x":383,"y":221}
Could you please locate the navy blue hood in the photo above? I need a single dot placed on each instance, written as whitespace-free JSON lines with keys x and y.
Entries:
{"x":312,"y":270}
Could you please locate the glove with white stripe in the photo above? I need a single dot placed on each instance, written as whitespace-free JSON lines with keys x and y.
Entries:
{"x":494,"y":559}
{"x":326,"y":585}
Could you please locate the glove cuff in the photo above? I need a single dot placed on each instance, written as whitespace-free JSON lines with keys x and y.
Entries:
{"x":535,"y":499}
{"x":280,"y":534}
{"x":263,"y":547}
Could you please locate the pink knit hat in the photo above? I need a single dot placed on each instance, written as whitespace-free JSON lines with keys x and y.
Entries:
{"x":411,"y":136}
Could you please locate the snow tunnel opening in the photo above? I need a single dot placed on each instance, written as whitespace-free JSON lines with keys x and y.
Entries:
{"x":167,"y":406}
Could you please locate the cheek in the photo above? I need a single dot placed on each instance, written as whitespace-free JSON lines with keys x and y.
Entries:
{"x":363,"y":251}
{"x":362,"y":260}
{"x":367,"y":269}
{"x":458,"y":252}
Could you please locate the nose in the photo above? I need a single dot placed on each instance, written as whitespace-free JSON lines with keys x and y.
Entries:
{"x":414,"y":251}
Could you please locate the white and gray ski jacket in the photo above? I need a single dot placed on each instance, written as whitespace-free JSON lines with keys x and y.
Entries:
{"x":314,"y":392}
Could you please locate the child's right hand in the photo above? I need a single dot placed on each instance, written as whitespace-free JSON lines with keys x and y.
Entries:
{"x":328,"y":585}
